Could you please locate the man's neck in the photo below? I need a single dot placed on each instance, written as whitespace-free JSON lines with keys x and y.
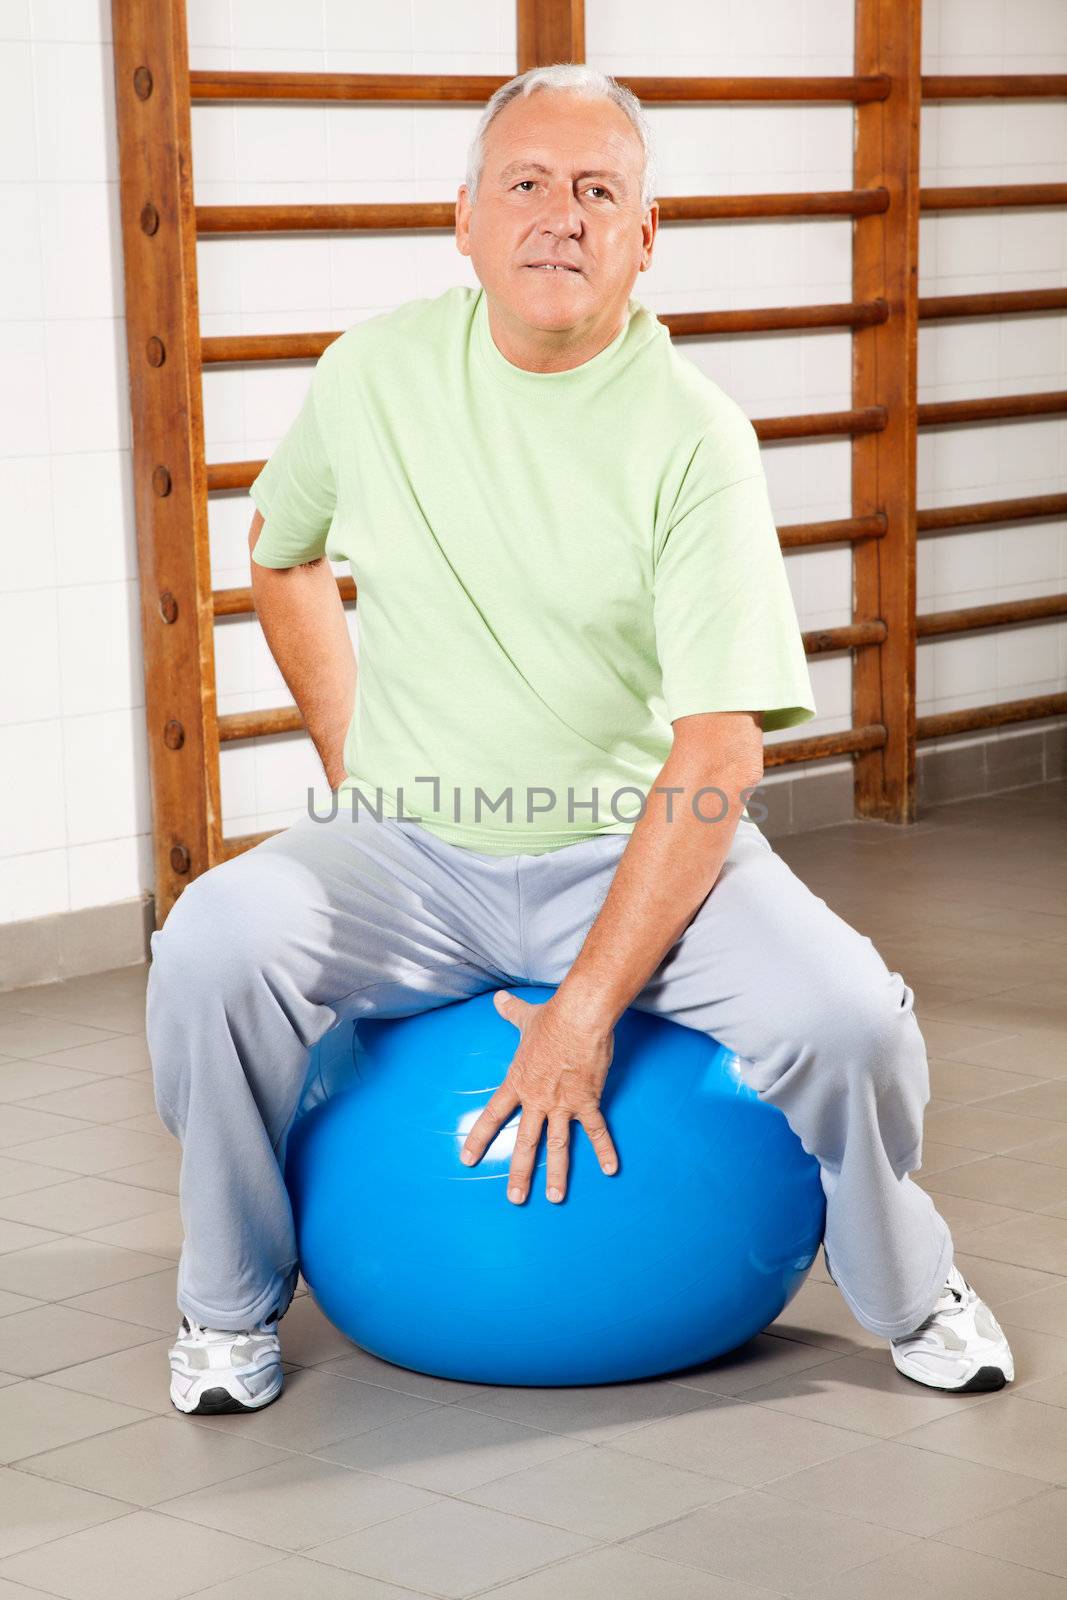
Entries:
{"x":550,"y":349}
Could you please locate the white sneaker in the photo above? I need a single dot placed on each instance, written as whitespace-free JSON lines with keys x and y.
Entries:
{"x":214,"y":1370}
{"x":960,"y":1346}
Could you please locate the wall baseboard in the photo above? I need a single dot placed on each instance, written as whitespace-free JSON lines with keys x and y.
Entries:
{"x":960,"y":768}
{"x":74,"y":944}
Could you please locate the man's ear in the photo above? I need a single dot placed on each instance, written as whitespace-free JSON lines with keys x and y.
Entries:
{"x":463,"y":213}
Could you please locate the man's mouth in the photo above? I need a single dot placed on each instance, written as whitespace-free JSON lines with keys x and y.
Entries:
{"x":573,"y":270}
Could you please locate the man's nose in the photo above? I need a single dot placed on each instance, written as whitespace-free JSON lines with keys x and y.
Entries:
{"x":560,"y":212}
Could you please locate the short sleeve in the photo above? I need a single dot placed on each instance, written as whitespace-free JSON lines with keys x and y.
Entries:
{"x":726,"y":628}
{"x":296,"y":490}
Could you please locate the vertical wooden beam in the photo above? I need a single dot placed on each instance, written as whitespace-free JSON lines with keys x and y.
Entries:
{"x":550,"y":31}
{"x":884,"y":357}
{"x":170,"y":489}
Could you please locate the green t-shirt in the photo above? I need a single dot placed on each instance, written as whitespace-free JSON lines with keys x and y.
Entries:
{"x":550,"y":568}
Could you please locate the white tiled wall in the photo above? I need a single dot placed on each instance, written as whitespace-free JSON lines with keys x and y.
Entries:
{"x":74,"y":802}
{"x":963,"y":252}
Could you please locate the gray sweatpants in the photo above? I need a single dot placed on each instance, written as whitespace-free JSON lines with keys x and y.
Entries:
{"x":324,"y":922}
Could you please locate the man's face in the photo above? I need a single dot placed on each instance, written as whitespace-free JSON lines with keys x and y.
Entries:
{"x":561,"y":181}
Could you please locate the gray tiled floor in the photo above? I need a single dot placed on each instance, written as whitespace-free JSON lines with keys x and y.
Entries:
{"x":803,"y":1465}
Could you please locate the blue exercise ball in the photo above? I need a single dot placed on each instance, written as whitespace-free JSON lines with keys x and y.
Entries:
{"x":698,"y":1241}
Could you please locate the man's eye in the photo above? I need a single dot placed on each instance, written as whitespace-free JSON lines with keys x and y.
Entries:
{"x":599,"y":186}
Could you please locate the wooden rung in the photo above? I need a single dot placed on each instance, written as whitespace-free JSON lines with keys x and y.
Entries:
{"x":814,"y":424}
{"x":1004,"y":613}
{"x":785,"y":753}
{"x":984,"y":196}
{"x":788,"y":753}
{"x":864,"y":419}
{"x":994,"y":86}
{"x":230,"y":347}
{"x":464,"y":89}
{"x":238,"y":602}
{"x":237,"y":843}
{"x":218,"y":348}
{"x":233,"y":474}
{"x":769,"y":319}
{"x":287,"y":719}
{"x":1006,"y":302}
{"x":379,"y":216}
{"x":438,"y":88}
{"x":819,"y":746}
{"x":942,"y":723}
{"x":818,"y":642}
{"x":867,"y":419}
{"x":851,"y":636}
{"x":259,"y":724}
{"x":938,"y":519}
{"x":375,"y":216}
{"x":472,"y":90}
{"x":991,"y":408}
{"x":798,"y":535}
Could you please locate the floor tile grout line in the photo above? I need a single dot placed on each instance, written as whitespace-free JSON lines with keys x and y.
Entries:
{"x":51,"y":1371}
{"x":831,"y":1355}
{"x":611,"y":1544}
{"x":848,"y":1572}
{"x":394,"y":1516}
{"x":90,"y":1127}
{"x":68,"y":1233}
{"x":198,"y":1594}
{"x":107,"y":1035}
{"x":158,"y":1507}
{"x":120,"y":1516}
{"x":828,"y":1353}
{"x":162,"y":1264}
{"x":1041,"y":1487}
{"x":974,"y":1401}
{"x":108,"y":1173}
{"x":793,"y":1594}
{"x":78,"y":1088}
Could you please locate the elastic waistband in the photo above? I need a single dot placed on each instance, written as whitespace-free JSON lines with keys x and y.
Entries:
{"x":473,"y":841}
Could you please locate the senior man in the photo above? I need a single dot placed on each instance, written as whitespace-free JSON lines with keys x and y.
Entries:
{"x":574,"y":624}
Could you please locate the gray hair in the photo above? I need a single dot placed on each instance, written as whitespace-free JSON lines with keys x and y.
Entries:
{"x":580,"y":79}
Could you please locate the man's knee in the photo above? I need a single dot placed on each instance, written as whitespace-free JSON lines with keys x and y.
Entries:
{"x":869,"y":1042}
{"x":228,"y":952}
{"x":206,"y":955}
{"x":222,"y":928}
{"x":195,"y":948}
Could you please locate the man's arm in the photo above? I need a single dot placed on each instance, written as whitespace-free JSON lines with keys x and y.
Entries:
{"x":303,"y":618}
{"x":668,"y":868}
{"x":665,"y":873}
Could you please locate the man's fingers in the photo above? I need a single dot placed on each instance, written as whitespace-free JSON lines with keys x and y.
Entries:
{"x":601,"y":1140}
{"x":485,"y":1129}
{"x":501,"y":1107}
{"x":559,"y":1139}
{"x":511,"y":1006}
{"x":527,"y":1139}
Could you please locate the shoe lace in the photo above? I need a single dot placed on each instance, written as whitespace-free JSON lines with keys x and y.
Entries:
{"x":949,"y":1304}
{"x":199,"y":1333}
